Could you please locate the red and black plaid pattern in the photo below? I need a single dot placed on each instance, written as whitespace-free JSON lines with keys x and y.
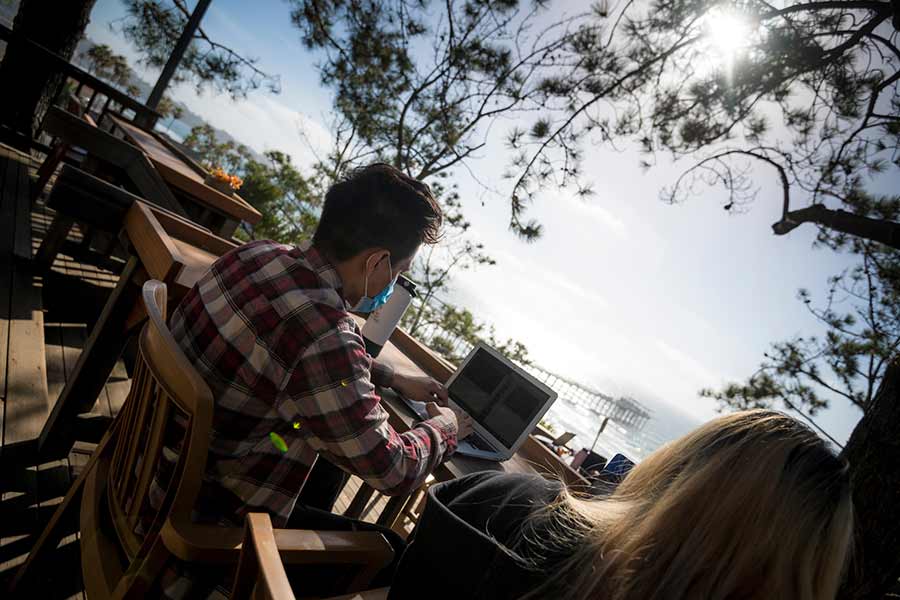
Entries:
{"x":269,"y":331}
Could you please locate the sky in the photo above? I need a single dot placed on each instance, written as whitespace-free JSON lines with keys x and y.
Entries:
{"x":622,"y":292}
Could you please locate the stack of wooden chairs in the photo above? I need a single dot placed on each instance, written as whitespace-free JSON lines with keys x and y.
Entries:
{"x":87,"y":191}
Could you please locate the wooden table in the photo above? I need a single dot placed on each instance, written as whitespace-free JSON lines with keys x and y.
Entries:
{"x":163,"y":246}
{"x":186,"y":176}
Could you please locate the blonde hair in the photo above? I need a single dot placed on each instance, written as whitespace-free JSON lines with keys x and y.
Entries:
{"x":750,"y":505}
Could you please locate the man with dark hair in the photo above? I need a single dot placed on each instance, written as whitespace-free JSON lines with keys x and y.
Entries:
{"x":270,"y":330}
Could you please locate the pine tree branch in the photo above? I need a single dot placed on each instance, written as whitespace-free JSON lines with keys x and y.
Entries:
{"x":877,"y":230}
{"x":878,"y":7}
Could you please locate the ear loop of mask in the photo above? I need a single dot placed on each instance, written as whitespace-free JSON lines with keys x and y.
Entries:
{"x":390,"y":270}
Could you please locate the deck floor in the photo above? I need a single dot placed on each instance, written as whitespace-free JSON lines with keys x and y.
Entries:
{"x":73,"y":295}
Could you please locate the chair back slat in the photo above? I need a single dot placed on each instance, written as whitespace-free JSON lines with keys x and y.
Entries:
{"x":140,"y":397}
{"x":120,"y":488}
{"x":125,"y":416}
{"x":147,"y":467}
{"x":161,"y":448}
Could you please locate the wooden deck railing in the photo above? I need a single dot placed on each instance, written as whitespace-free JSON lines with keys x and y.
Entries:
{"x":104,"y":95}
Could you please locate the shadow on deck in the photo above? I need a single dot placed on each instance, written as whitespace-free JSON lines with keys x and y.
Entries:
{"x":44,"y":322}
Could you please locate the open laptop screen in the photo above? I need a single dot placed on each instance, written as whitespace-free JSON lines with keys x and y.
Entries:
{"x":493,"y":394}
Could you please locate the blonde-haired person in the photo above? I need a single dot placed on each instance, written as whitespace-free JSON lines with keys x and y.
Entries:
{"x":752,"y":505}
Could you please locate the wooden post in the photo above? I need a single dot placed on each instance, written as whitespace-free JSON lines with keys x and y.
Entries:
{"x":602,"y":427}
{"x":175,"y":58}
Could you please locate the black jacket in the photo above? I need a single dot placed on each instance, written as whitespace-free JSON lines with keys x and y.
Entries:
{"x":469,"y":542}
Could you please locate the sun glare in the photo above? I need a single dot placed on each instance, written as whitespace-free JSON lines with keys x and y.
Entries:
{"x":728,"y":33}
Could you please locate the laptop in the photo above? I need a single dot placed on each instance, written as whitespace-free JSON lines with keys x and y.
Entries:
{"x":619,"y":466}
{"x":504,"y":401}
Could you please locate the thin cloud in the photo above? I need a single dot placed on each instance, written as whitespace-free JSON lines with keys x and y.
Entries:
{"x":263,"y":123}
{"x":590,"y":209}
{"x":541,"y":277}
{"x":688,"y":364}
{"x":594,"y":211}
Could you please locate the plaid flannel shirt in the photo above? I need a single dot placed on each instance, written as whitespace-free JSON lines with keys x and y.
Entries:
{"x":269,"y":331}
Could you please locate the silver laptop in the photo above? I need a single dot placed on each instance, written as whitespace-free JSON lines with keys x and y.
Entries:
{"x":504,"y":401}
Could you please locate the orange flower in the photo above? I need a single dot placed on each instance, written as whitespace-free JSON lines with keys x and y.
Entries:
{"x":233,"y":181}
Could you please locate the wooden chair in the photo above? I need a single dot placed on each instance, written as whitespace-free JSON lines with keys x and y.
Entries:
{"x":98,"y":206}
{"x":125,"y":541}
{"x":412,"y":508}
{"x":260,"y":572}
{"x":135,"y":168}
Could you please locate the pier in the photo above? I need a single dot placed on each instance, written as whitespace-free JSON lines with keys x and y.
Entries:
{"x":623,"y":410}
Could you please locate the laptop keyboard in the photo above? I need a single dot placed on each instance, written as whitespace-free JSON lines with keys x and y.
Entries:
{"x":476,"y":441}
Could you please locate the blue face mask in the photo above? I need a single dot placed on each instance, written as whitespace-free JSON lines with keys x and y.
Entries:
{"x":368,"y":304}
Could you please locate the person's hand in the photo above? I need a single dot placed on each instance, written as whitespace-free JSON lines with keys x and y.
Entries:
{"x":463,"y":421}
{"x":420,"y":388}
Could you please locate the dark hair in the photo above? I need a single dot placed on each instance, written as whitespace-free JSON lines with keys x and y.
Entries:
{"x":377,"y":206}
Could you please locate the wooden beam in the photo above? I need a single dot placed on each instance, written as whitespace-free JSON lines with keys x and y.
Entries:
{"x":7,"y":223}
{"x":80,"y":75}
{"x":151,"y":185}
{"x":53,"y":242}
{"x":22,"y":356}
{"x":27,"y":398}
{"x":159,"y":255}
{"x":95,"y":363}
{"x":194,"y":234}
{"x":421,"y":355}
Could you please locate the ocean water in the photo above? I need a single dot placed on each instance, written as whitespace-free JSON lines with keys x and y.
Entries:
{"x":665,"y":425}
{"x":176,"y":129}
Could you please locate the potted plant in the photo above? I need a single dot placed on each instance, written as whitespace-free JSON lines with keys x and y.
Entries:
{"x":218,"y":179}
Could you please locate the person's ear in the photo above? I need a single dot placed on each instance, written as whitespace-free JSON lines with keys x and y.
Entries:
{"x":370,"y":264}
{"x":377,"y":258}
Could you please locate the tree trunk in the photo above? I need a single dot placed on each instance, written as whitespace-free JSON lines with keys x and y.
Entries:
{"x":31,"y":84}
{"x":874,"y":456}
